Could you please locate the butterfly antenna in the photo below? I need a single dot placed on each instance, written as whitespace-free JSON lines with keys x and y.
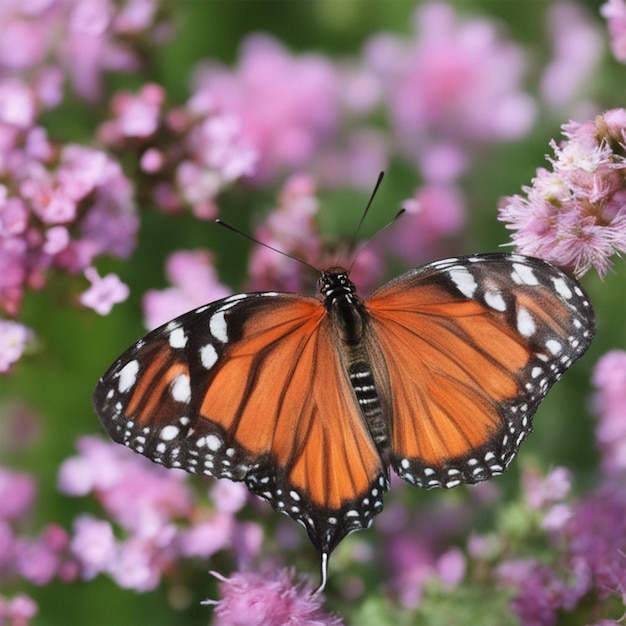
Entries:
{"x":392,"y":221}
{"x":365,"y":212}
{"x":265,"y":245}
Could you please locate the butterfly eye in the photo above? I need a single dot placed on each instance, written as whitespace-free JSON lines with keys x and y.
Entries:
{"x":437,"y":376}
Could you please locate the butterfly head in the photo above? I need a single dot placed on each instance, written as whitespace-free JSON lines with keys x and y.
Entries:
{"x":335,"y":283}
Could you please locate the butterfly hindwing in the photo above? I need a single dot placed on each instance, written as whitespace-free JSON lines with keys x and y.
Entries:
{"x":251,"y":388}
{"x":477,"y":342}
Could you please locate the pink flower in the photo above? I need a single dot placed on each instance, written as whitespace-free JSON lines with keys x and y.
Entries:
{"x":17,"y":104}
{"x":609,"y":403}
{"x":614,"y":11}
{"x":93,"y":544}
{"x":287,"y":105}
{"x":207,"y":537}
{"x":290,"y":228}
{"x":432,"y":214}
{"x":19,"y":610}
{"x":104,"y":293}
{"x":253,"y":599}
{"x":14,"y":337}
{"x":17,"y":493}
{"x":455,"y":80}
{"x":542,"y":491}
{"x":195,"y":283}
{"x":575,"y":216}
{"x":578,"y":47}
{"x":136,"y":115}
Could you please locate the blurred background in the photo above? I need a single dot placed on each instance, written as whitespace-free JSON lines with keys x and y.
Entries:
{"x":145,"y":119}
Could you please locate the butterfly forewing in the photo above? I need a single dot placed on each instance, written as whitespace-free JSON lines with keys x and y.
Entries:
{"x":251,"y":388}
{"x":477,"y":342}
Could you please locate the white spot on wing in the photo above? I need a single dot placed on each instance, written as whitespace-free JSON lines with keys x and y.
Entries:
{"x":561,"y":286}
{"x":463,"y":281}
{"x":208,"y":356}
{"x":217,"y":326}
{"x":554,"y":346}
{"x":525,"y":322}
{"x":213,"y":442}
{"x":522,"y":274}
{"x":178,"y":339}
{"x":181,"y":390}
{"x":128,"y":376}
{"x":169,"y":432}
{"x":495,"y":300}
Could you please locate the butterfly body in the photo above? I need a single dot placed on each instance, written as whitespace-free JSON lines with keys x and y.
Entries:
{"x":310,"y":401}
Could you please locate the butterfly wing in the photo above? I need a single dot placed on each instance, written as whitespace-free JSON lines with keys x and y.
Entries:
{"x":251,"y":388}
{"x":471,"y":347}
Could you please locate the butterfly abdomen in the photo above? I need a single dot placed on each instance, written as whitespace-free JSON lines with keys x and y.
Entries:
{"x":350,"y":322}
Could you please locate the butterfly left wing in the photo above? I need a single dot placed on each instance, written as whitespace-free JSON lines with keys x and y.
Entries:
{"x":471,"y":347}
{"x":251,"y":388}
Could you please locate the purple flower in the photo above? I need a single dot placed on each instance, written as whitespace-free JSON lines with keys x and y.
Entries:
{"x":575,"y":216}
{"x":615,"y":13}
{"x":93,"y":544}
{"x":14,"y":337}
{"x":541,"y":592}
{"x":136,"y":116}
{"x":17,"y":611}
{"x":254,"y":599}
{"x":456,"y":80}
{"x":578,"y":46}
{"x":17,"y":493}
{"x":433,"y":213}
{"x":285,"y":120}
{"x":195,"y":283}
{"x":104,"y":293}
{"x":597,"y":532}
{"x":609,"y":402}
{"x":543,"y":491}
{"x":290,"y":228}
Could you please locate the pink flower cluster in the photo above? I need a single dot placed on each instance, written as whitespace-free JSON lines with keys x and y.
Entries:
{"x":255,"y":599}
{"x":195,"y":283}
{"x":48,"y":39}
{"x":286,"y":121}
{"x":60,"y":208}
{"x":155,"y":512}
{"x":456,"y":82}
{"x":37,"y":560}
{"x":615,"y":13}
{"x":187,"y":154}
{"x":609,"y":404}
{"x":575,"y":215}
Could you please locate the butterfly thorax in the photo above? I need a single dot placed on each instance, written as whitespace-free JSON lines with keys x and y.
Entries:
{"x":343,"y":305}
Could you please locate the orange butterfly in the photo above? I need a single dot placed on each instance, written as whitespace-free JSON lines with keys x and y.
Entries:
{"x":309,"y":401}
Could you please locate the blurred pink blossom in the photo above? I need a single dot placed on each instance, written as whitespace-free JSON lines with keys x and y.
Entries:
{"x":609,"y":403}
{"x":577,"y":51}
{"x":287,"y":105}
{"x":104,"y":292}
{"x":432,"y":214}
{"x":14,"y":337}
{"x":17,"y":611}
{"x":195,"y":283}
{"x":614,"y":11}
{"x":457,"y":80}
{"x":290,"y":228}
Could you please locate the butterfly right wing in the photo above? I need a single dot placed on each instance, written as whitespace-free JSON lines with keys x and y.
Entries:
{"x":252,"y":388}
{"x":470,"y":347}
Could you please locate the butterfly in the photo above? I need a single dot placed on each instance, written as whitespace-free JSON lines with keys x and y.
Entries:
{"x":311,"y":401}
